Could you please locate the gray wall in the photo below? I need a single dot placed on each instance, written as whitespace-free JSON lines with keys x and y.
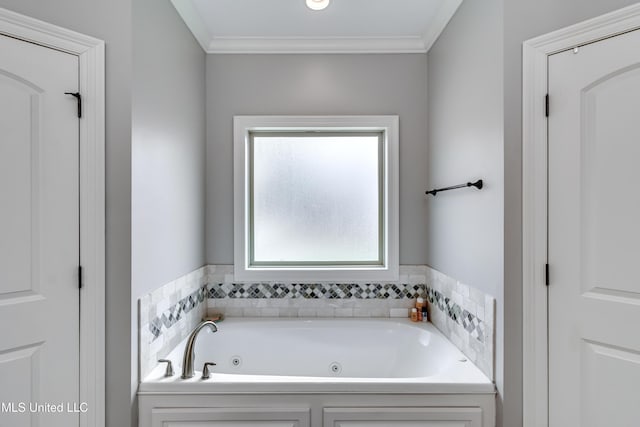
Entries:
{"x":168,"y":147}
{"x":316,"y":85}
{"x":465,"y":227}
{"x":168,"y":152}
{"x":465,"y":143}
{"x":111,"y":22}
{"x":525,"y":19}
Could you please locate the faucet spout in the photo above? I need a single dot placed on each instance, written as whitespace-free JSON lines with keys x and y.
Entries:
{"x":189,"y":356}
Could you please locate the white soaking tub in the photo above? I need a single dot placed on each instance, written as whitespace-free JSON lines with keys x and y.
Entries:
{"x":315,"y":366}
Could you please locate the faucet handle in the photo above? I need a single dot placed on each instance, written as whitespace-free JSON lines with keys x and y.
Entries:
{"x":169,"y":371}
{"x":205,"y":370}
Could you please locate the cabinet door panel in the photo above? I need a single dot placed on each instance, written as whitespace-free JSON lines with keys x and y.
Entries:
{"x":396,"y":423}
{"x":230,"y":417}
{"x":229,"y":424}
{"x":403,"y":417}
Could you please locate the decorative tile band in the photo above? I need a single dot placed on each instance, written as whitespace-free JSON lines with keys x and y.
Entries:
{"x":315,"y":290}
{"x":470,"y":322}
{"x":173,"y":314}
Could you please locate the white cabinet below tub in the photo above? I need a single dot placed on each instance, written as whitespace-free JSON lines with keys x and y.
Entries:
{"x":402,"y":417}
{"x":315,"y":410}
{"x":230,"y":417}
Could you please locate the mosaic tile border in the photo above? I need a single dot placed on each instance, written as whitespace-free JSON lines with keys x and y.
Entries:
{"x":315,"y":290}
{"x":173,"y":314}
{"x":474,"y":326}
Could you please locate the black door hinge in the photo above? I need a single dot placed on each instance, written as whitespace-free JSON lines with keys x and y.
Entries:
{"x":546,"y":274}
{"x":77,"y":96}
{"x":79,"y":277}
{"x":546,"y":105}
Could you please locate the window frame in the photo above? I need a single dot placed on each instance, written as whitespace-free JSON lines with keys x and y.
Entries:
{"x":245,"y":126}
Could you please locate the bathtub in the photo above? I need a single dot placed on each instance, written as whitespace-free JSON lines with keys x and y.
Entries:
{"x":320,"y":364}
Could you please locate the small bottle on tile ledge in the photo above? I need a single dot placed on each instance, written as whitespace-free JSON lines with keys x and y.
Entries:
{"x":414,"y":314}
{"x":425,"y":316}
{"x":419,"y":307}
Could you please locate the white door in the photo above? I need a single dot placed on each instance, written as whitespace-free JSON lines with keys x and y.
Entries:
{"x":594,"y":234}
{"x":39,"y":234}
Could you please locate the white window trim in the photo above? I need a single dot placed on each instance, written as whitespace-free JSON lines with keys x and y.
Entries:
{"x":534,"y":195}
{"x":90,"y":53}
{"x":243,"y":125}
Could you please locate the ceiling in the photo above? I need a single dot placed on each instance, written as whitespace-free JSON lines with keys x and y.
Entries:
{"x":288,"y":26}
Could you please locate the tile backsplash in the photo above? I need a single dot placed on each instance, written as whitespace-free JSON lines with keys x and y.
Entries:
{"x":323,"y":299}
{"x":167,"y":316}
{"x":465,"y":315}
{"x":460,"y":312}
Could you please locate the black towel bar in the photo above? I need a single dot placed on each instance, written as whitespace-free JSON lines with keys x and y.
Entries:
{"x":477,"y":184}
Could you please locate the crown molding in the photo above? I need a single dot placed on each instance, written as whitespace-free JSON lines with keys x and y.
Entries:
{"x":266,"y":45}
{"x":420,"y":43}
{"x":194,"y":22}
{"x":442,"y":18}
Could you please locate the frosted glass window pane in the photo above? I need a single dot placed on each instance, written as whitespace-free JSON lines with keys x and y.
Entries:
{"x":316,"y":199}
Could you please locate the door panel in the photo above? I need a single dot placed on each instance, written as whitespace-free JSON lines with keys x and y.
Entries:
{"x":230,"y":424}
{"x":402,"y":424}
{"x":607,"y":368}
{"x":402,"y":417}
{"x":20,"y":368}
{"x":230,"y":417}
{"x":39,"y":233}
{"x":594,"y":234}
{"x":19,"y":185}
{"x":611,"y":152}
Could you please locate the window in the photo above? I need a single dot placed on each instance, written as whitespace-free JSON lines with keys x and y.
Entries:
{"x":316,"y":198}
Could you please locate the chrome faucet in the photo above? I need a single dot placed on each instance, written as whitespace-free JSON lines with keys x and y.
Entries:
{"x":189,"y":356}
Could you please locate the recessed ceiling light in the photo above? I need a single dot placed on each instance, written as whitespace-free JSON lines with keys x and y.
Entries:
{"x":317,"y":4}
